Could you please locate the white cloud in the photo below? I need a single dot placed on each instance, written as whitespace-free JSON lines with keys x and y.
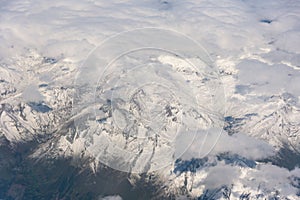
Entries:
{"x":218,"y":141}
{"x":114,"y":197}
{"x":221,"y":175}
{"x":32,"y":94}
{"x":270,"y":178}
{"x":269,"y":79}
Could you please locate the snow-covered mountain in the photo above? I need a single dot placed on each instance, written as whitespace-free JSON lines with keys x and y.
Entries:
{"x":245,"y":148}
